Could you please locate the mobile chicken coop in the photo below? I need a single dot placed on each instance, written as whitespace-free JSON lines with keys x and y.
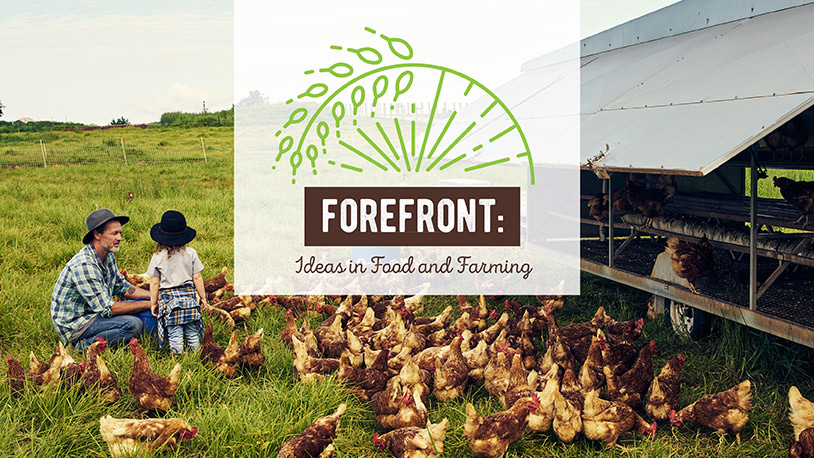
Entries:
{"x":696,"y":90}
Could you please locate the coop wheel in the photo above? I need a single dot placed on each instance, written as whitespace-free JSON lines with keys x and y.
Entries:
{"x":686,"y":320}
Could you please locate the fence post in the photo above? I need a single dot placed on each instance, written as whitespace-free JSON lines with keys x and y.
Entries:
{"x":204,"y":150}
{"x":123,"y":152}
{"x":42,"y":149}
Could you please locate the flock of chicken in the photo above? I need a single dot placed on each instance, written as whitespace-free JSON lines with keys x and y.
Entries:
{"x":652,"y":202}
{"x":387,"y":355}
{"x":690,"y":260}
{"x":153,"y":392}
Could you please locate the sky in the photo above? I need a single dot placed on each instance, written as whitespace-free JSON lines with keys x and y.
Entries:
{"x":92,"y":61}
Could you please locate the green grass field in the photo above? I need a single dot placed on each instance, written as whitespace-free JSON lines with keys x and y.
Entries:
{"x":43,"y":211}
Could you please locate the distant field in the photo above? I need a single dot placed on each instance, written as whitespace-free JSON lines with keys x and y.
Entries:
{"x":132,"y":145}
{"x":42,"y":212}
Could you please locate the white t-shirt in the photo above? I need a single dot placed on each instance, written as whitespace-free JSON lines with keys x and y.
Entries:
{"x":175,"y":271}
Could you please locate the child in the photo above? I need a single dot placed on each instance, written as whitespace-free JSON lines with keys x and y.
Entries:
{"x":175,"y":276}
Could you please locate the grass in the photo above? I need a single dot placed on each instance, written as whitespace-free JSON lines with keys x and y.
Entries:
{"x":104,"y":147}
{"x":43,"y":211}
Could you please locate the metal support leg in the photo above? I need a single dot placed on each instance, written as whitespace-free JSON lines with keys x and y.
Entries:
{"x":753,"y":293}
{"x":610,"y":220}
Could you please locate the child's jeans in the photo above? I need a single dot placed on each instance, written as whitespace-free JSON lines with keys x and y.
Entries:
{"x":184,"y":332}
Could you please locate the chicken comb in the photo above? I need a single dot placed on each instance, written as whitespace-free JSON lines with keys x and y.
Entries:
{"x":133,"y":341}
{"x":378,"y":442}
{"x":189,"y":434}
{"x":8,"y":360}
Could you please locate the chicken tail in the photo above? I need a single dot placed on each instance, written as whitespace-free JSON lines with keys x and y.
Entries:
{"x":175,"y":375}
{"x":744,"y":390}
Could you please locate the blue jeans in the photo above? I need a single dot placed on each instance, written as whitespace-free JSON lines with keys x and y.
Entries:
{"x":115,"y":330}
{"x":183,"y":332}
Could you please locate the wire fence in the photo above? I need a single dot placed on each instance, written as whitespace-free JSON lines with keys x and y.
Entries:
{"x":108,"y":152}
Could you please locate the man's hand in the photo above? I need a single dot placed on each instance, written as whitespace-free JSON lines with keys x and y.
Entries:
{"x":154,"y":309}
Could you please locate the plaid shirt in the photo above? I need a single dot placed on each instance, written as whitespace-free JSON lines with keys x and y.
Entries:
{"x":85,"y":290}
{"x":176,"y":307}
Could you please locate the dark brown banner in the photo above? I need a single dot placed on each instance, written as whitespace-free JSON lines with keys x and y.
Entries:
{"x":436,"y":216}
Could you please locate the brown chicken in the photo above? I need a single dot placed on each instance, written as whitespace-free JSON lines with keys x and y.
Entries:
{"x":399,"y":406}
{"x":567,"y":423}
{"x":152,"y":391}
{"x":571,"y":389}
{"x":418,"y":380}
{"x":607,"y":420}
{"x":44,"y":375}
{"x":97,"y":376}
{"x":451,"y":377}
{"x":620,"y":202}
{"x":803,"y":447}
{"x":69,"y":370}
{"x":217,"y":282}
{"x":578,"y":336}
{"x":541,"y":418}
{"x":224,"y":359}
{"x":309,"y":368}
{"x":591,"y":376}
{"x":364,"y":383}
{"x":15,"y":377}
{"x":249,"y":352}
{"x":414,"y":442}
{"x":691,"y":260}
{"x":139,"y":281}
{"x":801,"y":412}
{"x":316,"y":440}
{"x":445,"y":336}
{"x":624,"y":331}
{"x":490,"y":436}
{"x":629,"y":387}
{"x":798,"y":193}
{"x":598,"y":207}
{"x":497,"y":374}
{"x":290,"y":329}
{"x":550,"y":303}
{"x":436,"y":324}
{"x":478,"y":314}
{"x":652,"y":202}
{"x":620,"y":357}
{"x":518,"y":384}
{"x":724,"y":412}
{"x":662,"y":396}
{"x":299,"y":304}
{"x":127,"y":437}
